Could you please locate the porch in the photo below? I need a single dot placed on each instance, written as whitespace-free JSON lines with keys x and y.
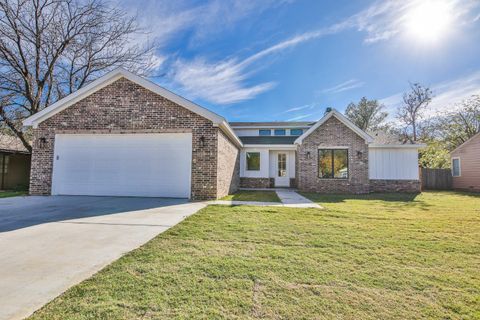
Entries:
{"x":266,"y":167}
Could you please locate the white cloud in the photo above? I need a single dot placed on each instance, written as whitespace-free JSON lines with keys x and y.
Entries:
{"x":387,"y":19}
{"x":345,"y":86}
{"x":307,"y":106}
{"x":446,"y":94}
{"x":226,"y":81}
{"x":221,"y":83}
{"x":301,"y":117}
{"x":165,"y":18}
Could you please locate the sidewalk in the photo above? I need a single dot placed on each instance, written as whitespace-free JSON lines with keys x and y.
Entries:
{"x":288,"y":198}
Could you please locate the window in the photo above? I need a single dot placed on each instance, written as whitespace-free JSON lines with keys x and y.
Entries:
{"x":280,"y":132}
{"x":282,"y":165}
{"x":253,"y":161}
{"x":456,"y":167}
{"x":265,"y":132}
{"x":296,"y":132}
{"x":333,"y":163}
{"x":4,"y":164}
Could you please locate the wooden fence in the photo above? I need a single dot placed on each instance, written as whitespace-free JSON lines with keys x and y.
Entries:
{"x":436,"y":179}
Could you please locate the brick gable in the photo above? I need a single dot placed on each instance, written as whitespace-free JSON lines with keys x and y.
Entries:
{"x":333,"y":133}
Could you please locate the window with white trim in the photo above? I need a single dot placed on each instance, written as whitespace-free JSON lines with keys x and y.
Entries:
{"x":253,"y":161}
{"x":264,"y":132}
{"x":296,"y":132}
{"x":456,"y":167}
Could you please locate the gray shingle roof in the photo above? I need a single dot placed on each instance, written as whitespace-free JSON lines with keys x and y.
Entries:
{"x":268,"y":140}
{"x":11,"y":144}
{"x":272,"y":124}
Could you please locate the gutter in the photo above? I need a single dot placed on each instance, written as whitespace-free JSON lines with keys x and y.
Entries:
{"x":398,"y":146}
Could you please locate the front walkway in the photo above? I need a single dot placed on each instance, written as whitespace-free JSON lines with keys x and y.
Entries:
{"x":288,"y":197}
{"x":292,"y":199}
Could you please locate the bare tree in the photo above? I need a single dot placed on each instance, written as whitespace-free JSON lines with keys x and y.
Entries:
{"x":367,"y":114}
{"x":461,"y":124}
{"x":415,"y":102}
{"x":50,"y":48}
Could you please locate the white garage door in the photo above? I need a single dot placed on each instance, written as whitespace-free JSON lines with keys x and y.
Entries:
{"x":143,"y":165}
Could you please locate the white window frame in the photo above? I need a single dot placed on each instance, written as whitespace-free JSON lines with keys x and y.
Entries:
{"x":265,"y":135}
{"x":459,"y":167}
{"x":259,"y":161}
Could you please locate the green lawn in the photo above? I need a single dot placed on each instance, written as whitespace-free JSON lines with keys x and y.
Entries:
{"x":6,"y":194}
{"x":364,"y":257}
{"x":244,"y":195}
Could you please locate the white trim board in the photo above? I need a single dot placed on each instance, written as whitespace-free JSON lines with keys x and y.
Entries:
{"x":270,"y":127}
{"x":272,"y":146}
{"x":459,"y":166}
{"x":398,"y":146}
{"x":341,"y":118}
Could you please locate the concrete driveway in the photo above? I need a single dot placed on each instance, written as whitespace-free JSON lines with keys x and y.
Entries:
{"x":48,"y":244}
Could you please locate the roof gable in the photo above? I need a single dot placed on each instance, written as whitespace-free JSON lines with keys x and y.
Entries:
{"x":113,"y":76}
{"x":109,"y":78}
{"x":476,"y":136}
{"x":342,"y":119}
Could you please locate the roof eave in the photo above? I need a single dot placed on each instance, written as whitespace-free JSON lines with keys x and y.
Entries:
{"x":109,"y":78}
{"x":368,"y":139}
{"x":230,"y":133}
{"x":271,"y":146}
{"x":398,"y":146}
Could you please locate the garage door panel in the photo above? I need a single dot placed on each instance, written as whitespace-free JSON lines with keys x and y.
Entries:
{"x":156,"y":165}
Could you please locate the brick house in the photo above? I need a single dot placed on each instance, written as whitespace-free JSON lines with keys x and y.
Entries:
{"x":122,"y":135}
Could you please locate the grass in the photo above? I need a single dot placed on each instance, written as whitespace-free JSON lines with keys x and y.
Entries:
{"x":7,"y":194}
{"x":244,"y":195}
{"x":364,"y":257}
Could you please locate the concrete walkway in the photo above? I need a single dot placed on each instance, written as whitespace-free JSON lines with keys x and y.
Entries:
{"x":48,"y":244}
{"x":289,"y":198}
{"x":292,"y":199}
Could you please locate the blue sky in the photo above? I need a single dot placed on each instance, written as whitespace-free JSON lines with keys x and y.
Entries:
{"x":266,"y":60}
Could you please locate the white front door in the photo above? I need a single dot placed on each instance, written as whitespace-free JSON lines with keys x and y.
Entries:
{"x":282,"y":178}
{"x":144,"y":165}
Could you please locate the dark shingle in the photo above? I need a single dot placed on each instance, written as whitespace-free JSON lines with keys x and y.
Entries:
{"x":273,"y":124}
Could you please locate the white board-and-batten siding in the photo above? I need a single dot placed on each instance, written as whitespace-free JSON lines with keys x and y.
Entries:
{"x":393,"y":163}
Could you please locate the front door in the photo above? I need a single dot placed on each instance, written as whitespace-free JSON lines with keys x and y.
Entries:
{"x":282,"y":178}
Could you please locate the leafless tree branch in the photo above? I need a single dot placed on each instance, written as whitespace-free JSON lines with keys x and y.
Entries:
{"x":51,"y":48}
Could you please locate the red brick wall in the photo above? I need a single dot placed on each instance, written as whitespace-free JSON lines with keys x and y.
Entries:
{"x":228,"y":166}
{"x":409,"y":186}
{"x":333,"y":133}
{"x":124,"y":106}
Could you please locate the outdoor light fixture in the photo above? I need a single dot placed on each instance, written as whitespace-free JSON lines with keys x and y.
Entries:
{"x":308,"y":154}
{"x":202,"y":141}
{"x":42,"y":143}
{"x":359,"y":154}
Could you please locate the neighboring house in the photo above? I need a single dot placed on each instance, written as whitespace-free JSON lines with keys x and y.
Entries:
{"x":122,"y":135}
{"x":14,"y":164}
{"x":466,"y":165}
